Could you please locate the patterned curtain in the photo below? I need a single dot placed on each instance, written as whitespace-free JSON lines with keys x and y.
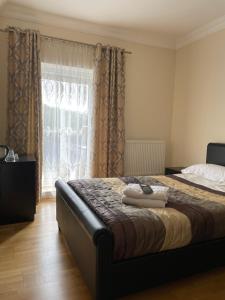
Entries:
{"x":108,"y":113}
{"x":24,"y":96}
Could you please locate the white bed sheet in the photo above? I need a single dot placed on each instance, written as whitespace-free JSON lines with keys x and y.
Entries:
{"x":214,"y":185}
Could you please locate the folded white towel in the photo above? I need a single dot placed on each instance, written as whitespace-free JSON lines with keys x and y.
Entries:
{"x":144,"y":203}
{"x":133,"y":190}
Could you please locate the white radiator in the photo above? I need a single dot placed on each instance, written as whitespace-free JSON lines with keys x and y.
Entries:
{"x":144,"y":157}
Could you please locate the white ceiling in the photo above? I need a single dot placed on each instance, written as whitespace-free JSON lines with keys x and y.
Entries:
{"x":174,"y":17}
{"x":161,"y":23}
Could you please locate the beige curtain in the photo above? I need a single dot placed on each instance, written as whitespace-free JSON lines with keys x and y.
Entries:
{"x":24,"y":96}
{"x":108,"y":112}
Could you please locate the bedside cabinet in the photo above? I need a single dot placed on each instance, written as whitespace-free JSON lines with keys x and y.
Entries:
{"x":173,"y":170}
{"x":17,"y":190}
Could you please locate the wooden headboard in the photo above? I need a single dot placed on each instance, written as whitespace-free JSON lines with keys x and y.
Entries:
{"x":216,"y":154}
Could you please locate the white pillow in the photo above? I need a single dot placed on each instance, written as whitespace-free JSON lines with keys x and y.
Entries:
{"x":208,"y":171}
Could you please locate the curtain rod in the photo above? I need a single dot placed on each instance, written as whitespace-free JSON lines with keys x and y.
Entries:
{"x":61,"y":39}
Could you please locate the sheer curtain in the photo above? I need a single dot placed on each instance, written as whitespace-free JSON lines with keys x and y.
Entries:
{"x":67,"y":81}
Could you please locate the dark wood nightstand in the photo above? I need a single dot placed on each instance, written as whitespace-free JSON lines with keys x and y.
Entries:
{"x":17,"y":190}
{"x":173,"y":170}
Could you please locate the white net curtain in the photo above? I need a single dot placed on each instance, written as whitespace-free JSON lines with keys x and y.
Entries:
{"x":67,"y":80}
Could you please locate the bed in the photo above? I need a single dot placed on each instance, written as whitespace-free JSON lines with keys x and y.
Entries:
{"x":111,"y":267}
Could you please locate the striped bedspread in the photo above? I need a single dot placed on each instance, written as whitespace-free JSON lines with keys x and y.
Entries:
{"x":193,"y":213}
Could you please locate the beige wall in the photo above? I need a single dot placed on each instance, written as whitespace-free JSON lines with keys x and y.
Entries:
{"x":199,"y":99}
{"x":187,"y":115}
{"x":149,"y":82}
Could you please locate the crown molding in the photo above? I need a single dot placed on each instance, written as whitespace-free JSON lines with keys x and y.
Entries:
{"x":201,"y":32}
{"x":149,"y":38}
{"x":24,"y":14}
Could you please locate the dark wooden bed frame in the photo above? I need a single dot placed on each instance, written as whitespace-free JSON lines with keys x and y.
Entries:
{"x":91,"y":244}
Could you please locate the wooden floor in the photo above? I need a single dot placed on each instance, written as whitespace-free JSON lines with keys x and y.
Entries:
{"x":35,"y":265}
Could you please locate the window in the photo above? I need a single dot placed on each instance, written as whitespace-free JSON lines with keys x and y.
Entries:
{"x":67,"y":99}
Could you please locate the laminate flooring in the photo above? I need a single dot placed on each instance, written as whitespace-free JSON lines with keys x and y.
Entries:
{"x":35,"y":264}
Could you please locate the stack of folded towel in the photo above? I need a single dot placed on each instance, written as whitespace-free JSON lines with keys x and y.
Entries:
{"x":133,"y":195}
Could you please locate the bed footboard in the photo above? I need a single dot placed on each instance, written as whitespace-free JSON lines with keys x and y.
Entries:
{"x":88,"y":239}
{"x":91,"y":244}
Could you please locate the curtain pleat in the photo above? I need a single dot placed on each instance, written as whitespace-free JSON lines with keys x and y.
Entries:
{"x":24,"y":96}
{"x":108,"y":113}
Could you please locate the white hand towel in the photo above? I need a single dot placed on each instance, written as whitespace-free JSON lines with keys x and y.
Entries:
{"x":144,"y":203}
{"x":134,"y":190}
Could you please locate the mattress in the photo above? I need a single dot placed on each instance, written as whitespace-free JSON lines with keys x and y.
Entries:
{"x":195,"y":212}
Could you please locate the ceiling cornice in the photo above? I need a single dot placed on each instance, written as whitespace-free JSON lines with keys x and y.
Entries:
{"x":25,"y":14}
{"x":201,"y":32}
{"x":13,"y":11}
